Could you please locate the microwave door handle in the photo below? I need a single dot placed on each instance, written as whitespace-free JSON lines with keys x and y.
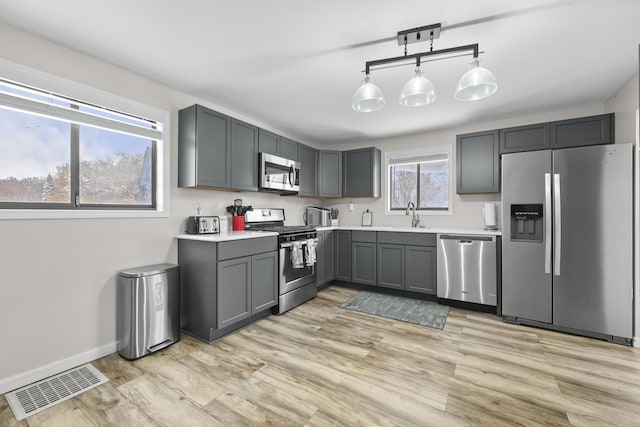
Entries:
{"x":291,"y":170}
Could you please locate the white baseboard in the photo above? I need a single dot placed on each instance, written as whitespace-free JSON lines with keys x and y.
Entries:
{"x":635,"y":342}
{"x":26,"y":378}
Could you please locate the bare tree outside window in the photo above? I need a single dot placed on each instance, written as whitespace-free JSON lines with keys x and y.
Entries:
{"x":424,"y":182}
{"x":53,"y":161}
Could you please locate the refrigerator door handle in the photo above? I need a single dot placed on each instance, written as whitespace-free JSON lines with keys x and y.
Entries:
{"x":557,"y":224}
{"x":547,"y":223}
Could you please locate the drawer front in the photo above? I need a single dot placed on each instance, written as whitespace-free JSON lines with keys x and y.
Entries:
{"x":408,"y":238}
{"x":246,"y":247}
{"x":363,"y":236}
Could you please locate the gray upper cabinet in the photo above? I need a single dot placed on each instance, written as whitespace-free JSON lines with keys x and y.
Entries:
{"x":592,"y":130}
{"x":361,"y":172}
{"x":275,"y":144}
{"x":204,"y":148}
{"x":478,"y":163}
{"x":330,"y":173}
{"x":288,"y":149}
{"x":268,"y":142}
{"x":343,"y":255}
{"x":524,"y":138}
{"x":244,"y":156}
{"x":308,"y":158}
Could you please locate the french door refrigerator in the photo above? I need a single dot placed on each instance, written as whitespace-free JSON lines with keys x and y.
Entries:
{"x":567,"y":240}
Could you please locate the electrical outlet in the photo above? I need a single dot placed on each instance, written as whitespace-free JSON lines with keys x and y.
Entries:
{"x":352,"y":207}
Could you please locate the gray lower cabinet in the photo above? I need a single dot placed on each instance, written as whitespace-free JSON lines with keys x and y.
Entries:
{"x":478,"y":163}
{"x":407,"y":261}
{"x":391,"y":266}
{"x":420,"y":269}
{"x":343,"y":255}
{"x":226,"y":285}
{"x":308,"y":158}
{"x":264,"y":281}
{"x":361,"y":172}
{"x":325,"y":252}
{"x":244,"y":156}
{"x":330,"y":173}
{"x":363,"y":263}
{"x":204,"y":148}
{"x":234,"y":291}
{"x":363,"y":257}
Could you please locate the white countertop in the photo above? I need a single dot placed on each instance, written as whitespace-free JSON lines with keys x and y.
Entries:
{"x":240,"y":235}
{"x":438,"y":230}
{"x":228,"y":236}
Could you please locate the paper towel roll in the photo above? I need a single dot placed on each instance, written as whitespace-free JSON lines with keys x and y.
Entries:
{"x":489,"y":214}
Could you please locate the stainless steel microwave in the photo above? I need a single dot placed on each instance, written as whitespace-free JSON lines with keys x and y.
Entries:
{"x":279,"y":174}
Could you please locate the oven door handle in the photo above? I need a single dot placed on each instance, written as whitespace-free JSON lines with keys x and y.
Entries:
{"x":290,"y":244}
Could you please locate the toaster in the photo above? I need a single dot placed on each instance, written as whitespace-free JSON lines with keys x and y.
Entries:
{"x":317,"y":216}
{"x":203,"y":224}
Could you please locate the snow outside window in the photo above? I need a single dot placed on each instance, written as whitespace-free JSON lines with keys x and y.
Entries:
{"x":59,"y":153}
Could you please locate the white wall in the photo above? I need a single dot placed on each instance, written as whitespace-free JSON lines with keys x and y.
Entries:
{"x":57,"y":291}
{"x":466,"y":208}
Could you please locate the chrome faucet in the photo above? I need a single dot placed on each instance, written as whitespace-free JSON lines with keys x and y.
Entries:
{"x":415,"y":219}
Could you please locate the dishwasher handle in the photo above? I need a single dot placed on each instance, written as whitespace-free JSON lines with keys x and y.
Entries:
{"x":465,"y":239}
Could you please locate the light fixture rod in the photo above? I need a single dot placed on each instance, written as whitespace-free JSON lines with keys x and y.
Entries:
{"x":418,"y":56}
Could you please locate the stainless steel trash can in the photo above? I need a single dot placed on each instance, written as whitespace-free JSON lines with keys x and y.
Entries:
{"x":148,"y":309}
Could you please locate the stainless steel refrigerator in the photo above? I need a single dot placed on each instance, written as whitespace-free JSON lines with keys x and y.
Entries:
{"x":567,"y":240}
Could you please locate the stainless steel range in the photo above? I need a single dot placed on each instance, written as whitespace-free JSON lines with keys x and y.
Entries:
{"x":297,"y":258}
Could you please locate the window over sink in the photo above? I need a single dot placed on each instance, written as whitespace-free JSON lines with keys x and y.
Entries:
{"x":421,"y":176}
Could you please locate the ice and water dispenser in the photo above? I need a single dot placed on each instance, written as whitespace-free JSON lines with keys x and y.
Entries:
{"x":526,"y":222}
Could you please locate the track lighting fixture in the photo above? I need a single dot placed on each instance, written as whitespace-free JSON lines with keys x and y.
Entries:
{"x":475,"y":84}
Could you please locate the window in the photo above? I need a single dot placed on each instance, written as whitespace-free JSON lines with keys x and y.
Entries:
{"x":421,"y":176}
{"x":59,"y":153}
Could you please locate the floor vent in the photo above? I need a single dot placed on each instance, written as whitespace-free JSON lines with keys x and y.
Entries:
{"x":44,"y":394}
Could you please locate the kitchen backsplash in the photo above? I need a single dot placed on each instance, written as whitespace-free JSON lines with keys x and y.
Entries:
{"x":467,"y":212}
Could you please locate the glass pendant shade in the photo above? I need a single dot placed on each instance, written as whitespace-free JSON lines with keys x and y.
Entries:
{"x":418,"y":91}
{"x":368,"y":97}
{"x":477,"y":83}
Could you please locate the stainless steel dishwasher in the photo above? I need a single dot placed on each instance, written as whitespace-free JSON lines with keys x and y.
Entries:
{"x":467,"y":268}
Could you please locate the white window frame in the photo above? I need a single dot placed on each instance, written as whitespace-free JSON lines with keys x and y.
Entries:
{"x":31,"y":77}
{"x":412,"y":153}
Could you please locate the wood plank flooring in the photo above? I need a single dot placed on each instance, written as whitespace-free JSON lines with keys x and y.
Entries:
{"x":320,"y":365}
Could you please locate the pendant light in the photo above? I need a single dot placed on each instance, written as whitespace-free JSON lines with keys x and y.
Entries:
{"x":368,"y":97}
{"x":418,"y":91}
{"x":477,"y":83}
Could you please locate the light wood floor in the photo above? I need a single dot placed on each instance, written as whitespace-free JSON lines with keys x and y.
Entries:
{"x":320,"y":365}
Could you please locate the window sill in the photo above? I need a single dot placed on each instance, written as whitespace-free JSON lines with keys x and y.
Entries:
{"x":8,"y":214}
{"x":421,"y":213}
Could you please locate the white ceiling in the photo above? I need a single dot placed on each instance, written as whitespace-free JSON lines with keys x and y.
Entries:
{"x":294,"y":65}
